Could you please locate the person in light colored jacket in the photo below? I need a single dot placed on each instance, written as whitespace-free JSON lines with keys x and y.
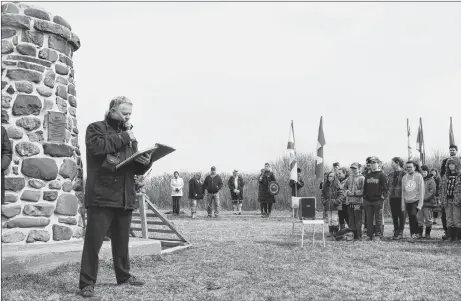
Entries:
{"x":177,"y":184}
{"x":412,"y":195}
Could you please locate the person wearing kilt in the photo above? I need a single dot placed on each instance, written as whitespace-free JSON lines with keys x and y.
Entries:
{"x":236,"y":184}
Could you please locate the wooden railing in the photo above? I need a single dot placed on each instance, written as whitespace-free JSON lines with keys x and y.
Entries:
{"x":149,"y":215}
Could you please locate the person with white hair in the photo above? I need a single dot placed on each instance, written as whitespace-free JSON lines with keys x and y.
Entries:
{"x":110,"y":196}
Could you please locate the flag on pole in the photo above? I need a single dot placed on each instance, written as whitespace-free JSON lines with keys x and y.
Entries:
{"x":451,"y":135}
{"x":292,"y":154}
{"x":319,"y":156}
{"x":410,"y":151}
{"x":420,"y":143}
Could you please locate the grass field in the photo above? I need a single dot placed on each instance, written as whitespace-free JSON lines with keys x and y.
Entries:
{"x":251,"y":258}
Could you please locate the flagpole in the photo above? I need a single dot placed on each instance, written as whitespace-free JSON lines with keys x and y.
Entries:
{"x":408,"y":138}
{"x":294,"y":142}
{"x":423,"y":145}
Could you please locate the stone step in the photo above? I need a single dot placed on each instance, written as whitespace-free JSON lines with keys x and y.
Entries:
{"x":42,"y":257}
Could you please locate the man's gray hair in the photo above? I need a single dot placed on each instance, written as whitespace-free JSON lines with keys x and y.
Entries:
{"x":116,"y":101}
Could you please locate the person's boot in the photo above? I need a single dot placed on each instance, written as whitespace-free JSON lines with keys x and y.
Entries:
{"x":458,"y":238}
{"x":396,"y":234}
{"x":342,"y":226}
{"x":335,"y":230}
{"x":457,"y":233}
{"x":450,"y":234}
{"x":192,"y":215}
{"x":330,"y":231}
{"x":420,"y":232}
{"x":445,"y":235}
{"x":428,"y":232}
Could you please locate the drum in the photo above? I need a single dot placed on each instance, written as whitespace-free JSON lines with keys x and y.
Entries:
{"x":274,"y":188}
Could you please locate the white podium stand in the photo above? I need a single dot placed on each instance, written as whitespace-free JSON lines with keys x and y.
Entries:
{"x":313,"y":222}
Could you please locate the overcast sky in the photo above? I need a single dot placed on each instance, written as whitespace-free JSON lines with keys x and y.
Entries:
{"x":221,"y":82}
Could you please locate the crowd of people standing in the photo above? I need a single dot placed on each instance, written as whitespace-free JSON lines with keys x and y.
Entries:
{"x":356,"y":199}
{"x":353,"y":198}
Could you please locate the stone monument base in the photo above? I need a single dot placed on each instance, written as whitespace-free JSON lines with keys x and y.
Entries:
{"x":23,"y":259}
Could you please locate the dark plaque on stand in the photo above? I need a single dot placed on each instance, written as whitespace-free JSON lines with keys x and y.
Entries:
{"x":56,"y":126}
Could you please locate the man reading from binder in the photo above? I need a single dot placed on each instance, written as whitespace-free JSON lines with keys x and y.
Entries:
{"x":110,"y":196}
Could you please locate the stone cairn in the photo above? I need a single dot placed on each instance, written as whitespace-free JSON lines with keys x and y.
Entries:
{"x":44,"y":184}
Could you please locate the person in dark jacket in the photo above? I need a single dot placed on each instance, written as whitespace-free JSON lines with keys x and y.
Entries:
{"x":213,"y":184}
{"x":265,"y":198}
{"x":195,"y":193}
{"x":424,"y":215}
{"x":331,"y":197}
{"x":451,"y":199}
{"x":295,"y":187}
{"x":453,"y":156}
{"x":342,"y":175}
{"x":439,"y":208}
{"x":110,"y":193}
{"x":7,"y":153}
{"x":374,"y":193}
{"x":235,"y":185}
{"x":394,"y":184}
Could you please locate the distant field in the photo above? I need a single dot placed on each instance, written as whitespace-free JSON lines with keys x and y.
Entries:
{"x":251,"y":258}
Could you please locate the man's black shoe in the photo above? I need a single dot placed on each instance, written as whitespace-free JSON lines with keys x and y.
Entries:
{"x":87,"y":291}
{"x":133,"y":281}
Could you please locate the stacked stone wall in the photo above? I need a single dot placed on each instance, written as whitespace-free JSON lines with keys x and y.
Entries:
{"x":44,"y":190}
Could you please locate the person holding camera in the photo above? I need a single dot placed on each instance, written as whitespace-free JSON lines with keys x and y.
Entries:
{"x":177,"y":183}
{"x":110,"y":196}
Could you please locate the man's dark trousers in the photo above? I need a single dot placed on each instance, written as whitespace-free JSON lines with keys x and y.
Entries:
{"x":373,"y":210}
{"x":99,"y":221}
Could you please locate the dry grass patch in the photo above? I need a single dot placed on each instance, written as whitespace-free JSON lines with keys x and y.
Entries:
{"x":251,"y":258}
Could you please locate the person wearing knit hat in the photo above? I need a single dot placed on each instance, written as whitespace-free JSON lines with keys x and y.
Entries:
{"x":374,"y":193}
{"x":213,"y":184}
{"x":354,"y":200}
{"x":451,"y":200}
{"x":424,"y":216}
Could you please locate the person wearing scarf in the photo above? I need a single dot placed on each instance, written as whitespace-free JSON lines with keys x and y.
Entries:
{"x":331,"y":199}
{"x":451,"y":200}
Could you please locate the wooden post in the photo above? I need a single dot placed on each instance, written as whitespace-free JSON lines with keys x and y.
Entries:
{"x":142,"y":213}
